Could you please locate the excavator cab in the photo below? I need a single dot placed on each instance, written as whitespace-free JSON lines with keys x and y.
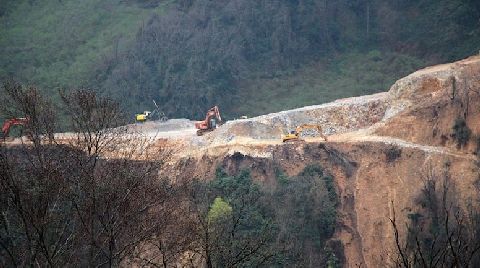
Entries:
{"x":213,"y":123}
{"x":291,"y":136}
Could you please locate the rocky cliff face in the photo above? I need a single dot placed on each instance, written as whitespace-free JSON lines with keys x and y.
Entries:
{"x":380,"y":149}
{"x":431,"y":99}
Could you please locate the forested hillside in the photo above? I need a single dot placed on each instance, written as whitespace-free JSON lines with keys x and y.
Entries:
{"x":249,"y":57}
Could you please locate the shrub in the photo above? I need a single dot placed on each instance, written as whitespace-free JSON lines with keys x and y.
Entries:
{"x":392,"y":153}
{"x":219,"y":210}
{"x":305,"y":207}
{"x":461,"y":132}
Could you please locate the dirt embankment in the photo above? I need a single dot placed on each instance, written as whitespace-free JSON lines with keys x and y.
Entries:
{"x":370,"y":184}
{"x":337,"y":117}
{"x":380,"y":148}
{"x":433,"y":99}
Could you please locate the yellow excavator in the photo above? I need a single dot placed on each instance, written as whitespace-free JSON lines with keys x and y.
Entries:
{"x":294,"y":135}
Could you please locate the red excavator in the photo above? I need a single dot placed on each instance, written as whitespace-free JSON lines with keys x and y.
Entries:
{"x":212,"y":120}
{"x":12,"y":122}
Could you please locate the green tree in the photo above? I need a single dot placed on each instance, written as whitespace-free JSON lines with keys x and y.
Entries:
{"x":233,"y":229}
{"x":219,"y":211}
{"x":305,"y":208}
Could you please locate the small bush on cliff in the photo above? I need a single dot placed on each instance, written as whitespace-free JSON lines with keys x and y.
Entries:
{"x":461,"y":132}
{"x":392,"y":153}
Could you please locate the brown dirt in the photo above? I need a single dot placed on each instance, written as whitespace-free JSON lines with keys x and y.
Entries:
{"x":415,"y":117}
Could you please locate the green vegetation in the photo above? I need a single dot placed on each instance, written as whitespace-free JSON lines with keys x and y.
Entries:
{"x":249,"y":57}
{"x":348,"y":75}
{"x":57,"y":43}
{"x":238,"y":231}
{"x":306,"y":207}
{"x":290,"y":223}
{"x":219,"y":210}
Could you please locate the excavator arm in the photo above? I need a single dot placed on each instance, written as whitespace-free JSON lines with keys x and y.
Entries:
{"x":299,"y":129}
{"x":212,"y":120}
{"x":12,"y":122}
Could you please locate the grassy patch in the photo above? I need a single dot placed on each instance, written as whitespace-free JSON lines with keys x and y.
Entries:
{"x":57,"y":43}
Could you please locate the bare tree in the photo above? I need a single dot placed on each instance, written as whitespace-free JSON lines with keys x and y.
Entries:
{"x":36,"y":225}
{"x":440,"y":234}
{"x":27,"y":102}
{"x":118,"y":188}
{"x":91,"y":198}
{"x":172,"y":242}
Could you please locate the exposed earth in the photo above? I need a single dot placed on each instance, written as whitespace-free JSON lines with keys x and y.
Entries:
{"x":380,"y":149}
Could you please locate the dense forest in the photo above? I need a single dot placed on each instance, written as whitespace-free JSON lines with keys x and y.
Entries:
{"x":249,"y":57}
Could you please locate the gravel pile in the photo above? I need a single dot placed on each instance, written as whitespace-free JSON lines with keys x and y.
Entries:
{"x":169,"y":125}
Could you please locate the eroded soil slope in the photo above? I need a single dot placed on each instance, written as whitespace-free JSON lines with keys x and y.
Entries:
{"x":380,"y":149}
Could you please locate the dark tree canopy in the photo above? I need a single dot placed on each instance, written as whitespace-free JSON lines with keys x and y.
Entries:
{"x":191,"y":54}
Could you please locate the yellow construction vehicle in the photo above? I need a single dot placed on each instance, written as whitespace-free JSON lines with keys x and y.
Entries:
{"x":294,"y":135}
{"x":142,"y":117}
{"x":155,"y":115}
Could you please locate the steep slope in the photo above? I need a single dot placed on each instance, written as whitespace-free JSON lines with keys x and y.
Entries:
{"x":432,"y":99}
{"x":380,"y":148}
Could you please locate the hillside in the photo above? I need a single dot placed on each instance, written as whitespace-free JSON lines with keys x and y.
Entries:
{"x":398,"y":171}
{"x":189,"y":55}
{"x":382,"y":150}
{"x":56,"y":43}
{"x":384,"y":173}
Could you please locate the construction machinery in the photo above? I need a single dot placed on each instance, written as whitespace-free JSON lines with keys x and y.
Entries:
{"x":143,"y":117}
{"x":12,"y":122}
{"x":211,"y":122}
{"x":294,"y":135}
{"x":147,"y":115}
